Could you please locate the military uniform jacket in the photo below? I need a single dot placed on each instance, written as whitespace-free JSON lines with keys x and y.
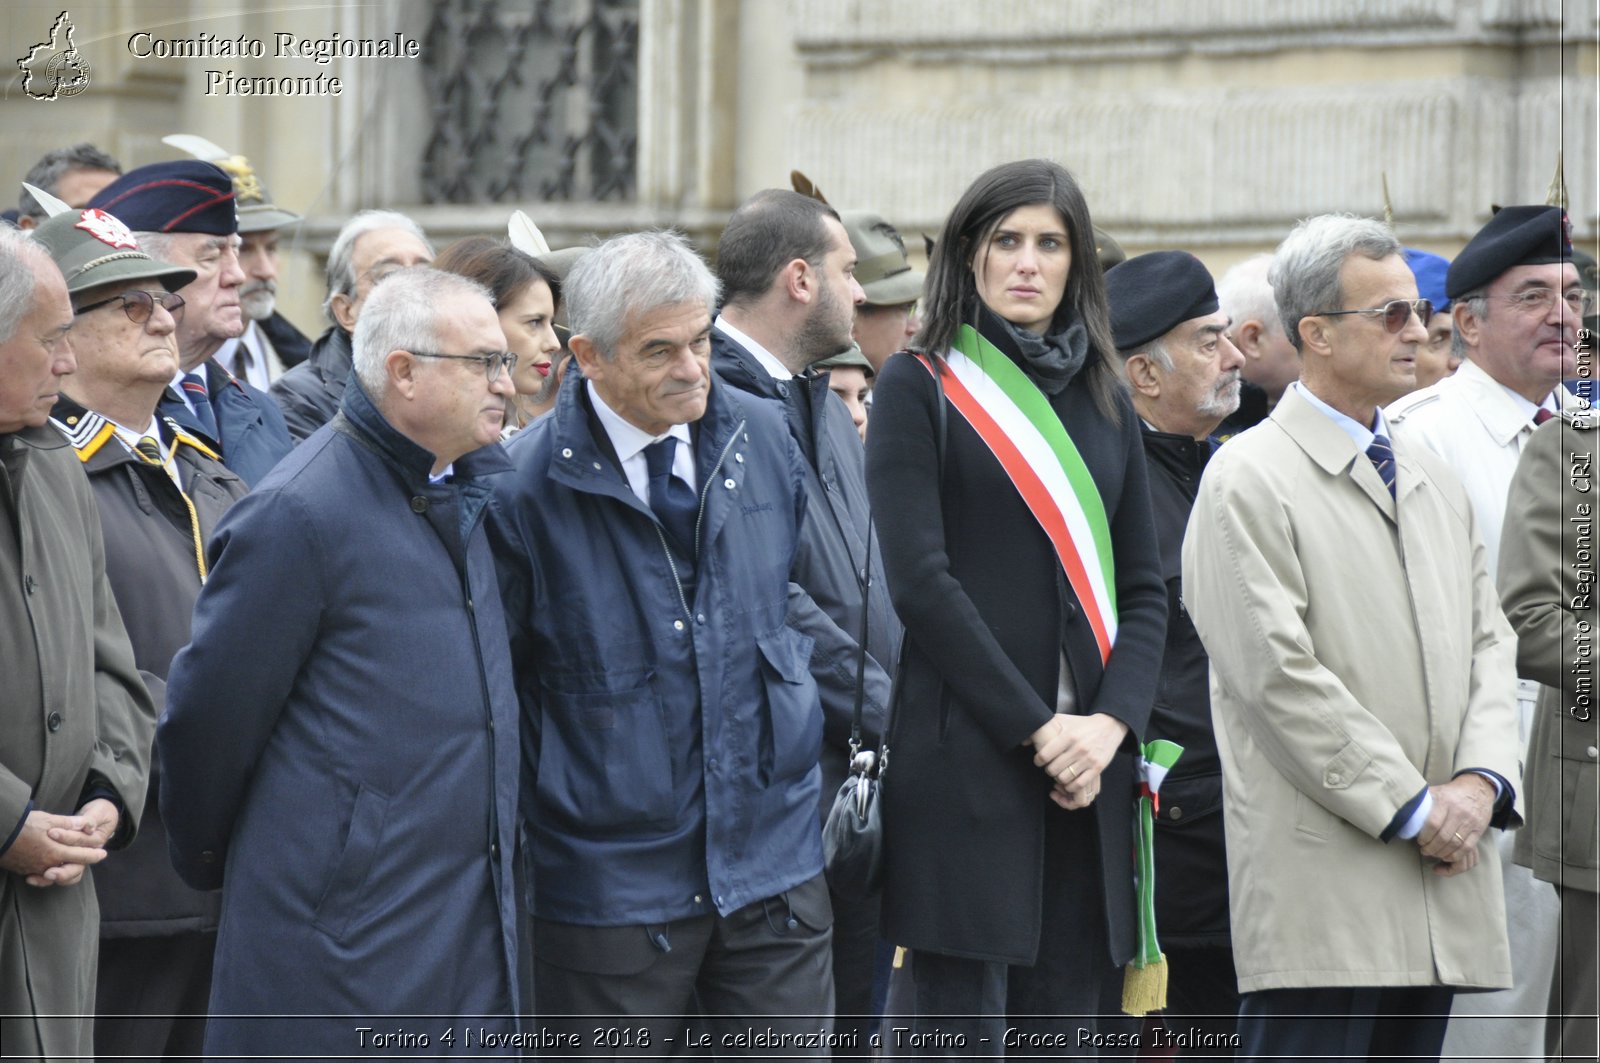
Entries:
{"x":152,"y":547}
{"x":254,"y":437}
{"x":1358,"y":653}
{"x":73,"y":709}
{"x":1550,"y":524}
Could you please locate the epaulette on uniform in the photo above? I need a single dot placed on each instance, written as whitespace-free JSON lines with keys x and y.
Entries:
{"x":87,"y":435}
{"x":188,"y":439}
{"x":1406,"y":405}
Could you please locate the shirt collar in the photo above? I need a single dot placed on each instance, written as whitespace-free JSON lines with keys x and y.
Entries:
{"x":1359,"y":433}
{"x":626,"y":439}
{"x":768,"y":360}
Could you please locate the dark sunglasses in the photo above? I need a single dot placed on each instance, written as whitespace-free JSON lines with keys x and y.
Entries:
{"x":1395,"y":314}
{"x":139,"y":305}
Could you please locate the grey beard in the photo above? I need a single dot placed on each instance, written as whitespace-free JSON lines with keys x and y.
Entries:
{"x":258,"y":305}
{"x":1224,"y":401}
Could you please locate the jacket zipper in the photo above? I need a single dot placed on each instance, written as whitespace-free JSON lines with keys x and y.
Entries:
{"x":699,"y":520}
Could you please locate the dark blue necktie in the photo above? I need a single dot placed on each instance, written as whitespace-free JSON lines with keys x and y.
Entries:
{"x":194,"y":388}
{"x":1382,"y":456}
{"x":672,"y":500}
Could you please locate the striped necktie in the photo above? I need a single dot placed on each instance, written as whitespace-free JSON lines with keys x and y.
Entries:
{"x":1382,"y":456}
{"x":194,"y":388}
{"x":150,"y":451}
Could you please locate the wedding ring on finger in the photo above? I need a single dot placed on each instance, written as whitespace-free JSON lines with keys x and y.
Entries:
{"x":1074,"y":769}
{"x":1459,"y":838}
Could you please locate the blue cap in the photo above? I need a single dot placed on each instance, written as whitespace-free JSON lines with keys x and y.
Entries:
{"x":1429,"y":270}
{"x":1154,"y":293}
{"x":186,"y":196}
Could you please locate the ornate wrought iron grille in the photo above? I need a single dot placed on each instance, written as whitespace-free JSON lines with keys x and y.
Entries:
{"x":532,"y":99}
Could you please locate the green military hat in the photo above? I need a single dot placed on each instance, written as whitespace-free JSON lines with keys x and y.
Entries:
{"x":1107,"y":250}
{"x":92,"y":248}
{"x":882,"y":268}
{"x":851,"y":359}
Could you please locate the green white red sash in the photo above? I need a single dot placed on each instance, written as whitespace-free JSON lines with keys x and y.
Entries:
{"x":1014,"y":419}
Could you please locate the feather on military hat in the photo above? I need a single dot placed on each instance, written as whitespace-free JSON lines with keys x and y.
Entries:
{"x":1152,"y":294}
{"x":257,"y":212}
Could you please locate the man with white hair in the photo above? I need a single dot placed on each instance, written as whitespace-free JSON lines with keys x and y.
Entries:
{"x":670,"y":714}
{"x":75,"y":719}
{"x":1361,"y":682}
{"x":340,"y":742}
{"x":370,"y":247}
{"x":1271,"y":362}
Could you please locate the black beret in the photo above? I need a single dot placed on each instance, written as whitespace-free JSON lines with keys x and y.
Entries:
{"x":1516,"y":236}
{"x":186,"y":196}
{"x":1154,"y":293}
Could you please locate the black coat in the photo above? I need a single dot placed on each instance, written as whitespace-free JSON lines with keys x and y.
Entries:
{"x":988,"y":612}
{"x":1191,"y":857}
{"x":154,"y":573}
{"x":309,"y":394}
{"x":831,"y":554}
{"x":292,"y":345}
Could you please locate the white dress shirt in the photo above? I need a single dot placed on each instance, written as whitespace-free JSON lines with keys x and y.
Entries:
{"x":629,"y":443}
{"x":768,"y":360}
{"x":251,"y":357}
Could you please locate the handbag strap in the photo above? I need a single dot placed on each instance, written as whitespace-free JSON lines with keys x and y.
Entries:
{"x":866,"y":595}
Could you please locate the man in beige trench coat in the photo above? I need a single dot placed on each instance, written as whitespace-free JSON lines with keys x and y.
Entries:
{"x":75,"y":718}
{"x":1361,"y":683}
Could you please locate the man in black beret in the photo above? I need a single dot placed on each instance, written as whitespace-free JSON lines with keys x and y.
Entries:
{"x":1518,"y":305}
{"x":1171,"y":336}
{"x":184,"y":212}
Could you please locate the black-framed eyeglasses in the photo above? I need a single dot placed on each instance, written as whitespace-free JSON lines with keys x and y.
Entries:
{"x":1395,"y":313}
{"x":492,"y":364}
{"x":139,"y":305}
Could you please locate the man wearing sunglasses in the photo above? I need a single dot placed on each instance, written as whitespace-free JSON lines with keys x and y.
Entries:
{"x":184,"y":212}
{"x":1361,"y":682}
{"x":340,"y":752}
{"x":1518,"y":305}
{"x":159,"y":491}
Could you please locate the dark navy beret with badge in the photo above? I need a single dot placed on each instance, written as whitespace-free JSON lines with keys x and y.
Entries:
{"x":1152,"y":294}
{"x":185,"y":196}
{"x":1516,"y":236}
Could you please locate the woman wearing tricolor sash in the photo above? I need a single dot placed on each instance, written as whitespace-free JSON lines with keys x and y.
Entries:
{"x":1021,"y":555}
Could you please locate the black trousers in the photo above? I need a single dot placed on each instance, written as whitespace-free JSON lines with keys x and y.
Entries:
{"x":152,"y":995}
{"x":759,"y":975}
{"x":1368,"y":1024}
{"x":975,"y":1007}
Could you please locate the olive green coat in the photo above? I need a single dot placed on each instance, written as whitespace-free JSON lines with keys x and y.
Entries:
{"x":72,"y":704}
{"x":1547,"y":571}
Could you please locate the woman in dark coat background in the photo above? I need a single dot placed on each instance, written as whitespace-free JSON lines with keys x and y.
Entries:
{"x":1011,"y":752}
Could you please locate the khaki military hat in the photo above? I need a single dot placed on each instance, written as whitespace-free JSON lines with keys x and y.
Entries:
{"x":92,"y":248}
{"x":257,"y":212}
{"x":851,"y":359}
{"x":882,"y":268}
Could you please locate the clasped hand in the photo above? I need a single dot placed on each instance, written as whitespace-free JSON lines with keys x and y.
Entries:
{"x":1074,"y":751}
{"x":53,"y":850}
{"x":1460,"y":814}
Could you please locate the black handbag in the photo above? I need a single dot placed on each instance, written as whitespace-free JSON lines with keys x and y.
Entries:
{"x":852,"y":838}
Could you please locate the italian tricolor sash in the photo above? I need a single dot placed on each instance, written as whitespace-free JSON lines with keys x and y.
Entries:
{"x":1014,"y":419}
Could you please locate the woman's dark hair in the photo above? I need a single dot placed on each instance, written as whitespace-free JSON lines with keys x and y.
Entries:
{"x":497,"y":266}
{"x":950,"y":294}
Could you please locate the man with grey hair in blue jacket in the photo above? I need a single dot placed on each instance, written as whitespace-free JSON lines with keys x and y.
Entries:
{"x":671,"y":725}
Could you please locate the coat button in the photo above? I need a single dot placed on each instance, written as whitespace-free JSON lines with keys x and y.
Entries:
{"x":1176,"y":812}
{"x":700,"y":618}
{"x":1072,"y":610}
{"x":699,"y":899}
{"x":783,"y":389}
{"x":729,"y":484}
{"x":1593,"y":752}
{"x":597,"y":466}
{"x":677,"y":625}
{"x":53,"y":722}
{"x":494,"y":850}
{"x":711,"y":765}
{"x":739,"y":458}
{"x":566,"y":452}
{"x":419,"y":504}
{"x":208,"y":857}
{"x":1334,"y":778}
{"x":28,"y":584}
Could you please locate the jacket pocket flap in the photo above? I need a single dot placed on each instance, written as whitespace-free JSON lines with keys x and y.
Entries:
{"x":788,"y":652}
{"x":1184,"y":800}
